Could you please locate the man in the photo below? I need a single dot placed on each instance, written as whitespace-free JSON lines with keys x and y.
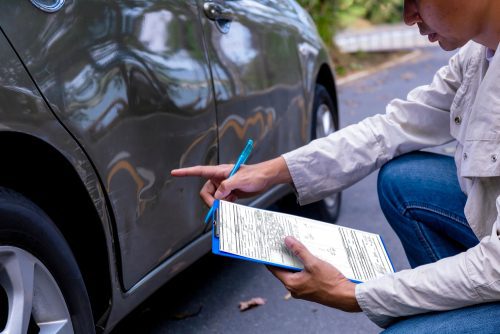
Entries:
{"x":439,"y":208}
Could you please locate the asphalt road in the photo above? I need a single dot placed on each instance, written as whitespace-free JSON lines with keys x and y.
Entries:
{"x":204,"y":299}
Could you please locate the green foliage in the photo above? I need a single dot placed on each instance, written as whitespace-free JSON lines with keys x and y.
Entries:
{"x":331,"y":15}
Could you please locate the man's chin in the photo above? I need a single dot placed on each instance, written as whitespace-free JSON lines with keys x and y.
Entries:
{"x":449,"y":46}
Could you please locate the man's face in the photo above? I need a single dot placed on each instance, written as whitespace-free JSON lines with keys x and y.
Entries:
{"x":452,"y":23}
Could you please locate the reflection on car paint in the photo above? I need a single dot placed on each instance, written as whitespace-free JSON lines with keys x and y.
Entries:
{"x":49,"y":6}
{"x":239,"y":44}
{"x":189,"y":154}
{"x":243,"y":127}
{"x":143,"y":179}
{"x":260,"y":124}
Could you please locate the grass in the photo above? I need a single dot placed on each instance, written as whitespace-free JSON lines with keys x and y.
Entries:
{"x":346,"y":64}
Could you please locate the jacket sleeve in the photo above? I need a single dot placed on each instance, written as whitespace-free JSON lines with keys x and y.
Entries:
{"x":469,"y":278}
{"x":339,"y":160}
{"x":333,"y":163}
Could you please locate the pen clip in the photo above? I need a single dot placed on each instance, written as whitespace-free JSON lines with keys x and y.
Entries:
{"x":241,"y":160}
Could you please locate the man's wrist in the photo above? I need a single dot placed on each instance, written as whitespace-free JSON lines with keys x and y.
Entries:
{"x":277,"y":171}
{"x":348,"y":295}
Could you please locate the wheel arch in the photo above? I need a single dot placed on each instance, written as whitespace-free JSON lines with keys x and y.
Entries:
{"x":41,"y":173}
{"x":326,"y":78}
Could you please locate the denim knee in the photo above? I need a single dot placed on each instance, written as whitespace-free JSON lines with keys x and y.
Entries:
{"x":400,"y":179}
{"x":415,"y":192}
{"x":389,"y":179}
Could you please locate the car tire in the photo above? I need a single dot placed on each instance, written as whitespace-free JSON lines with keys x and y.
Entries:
{"x":40,"y":283}
{"x":324,"y":122}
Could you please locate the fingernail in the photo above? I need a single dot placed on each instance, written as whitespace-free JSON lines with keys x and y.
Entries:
{"x":289,"y":242}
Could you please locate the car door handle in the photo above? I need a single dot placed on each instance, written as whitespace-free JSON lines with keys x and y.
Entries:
{"x":217,"y":12}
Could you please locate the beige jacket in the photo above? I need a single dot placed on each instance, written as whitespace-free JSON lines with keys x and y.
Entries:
{"x":462,"y":103}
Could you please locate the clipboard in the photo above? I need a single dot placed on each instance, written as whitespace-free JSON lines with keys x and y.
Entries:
{"x":217,"y":251}
{"x":216,"y":244}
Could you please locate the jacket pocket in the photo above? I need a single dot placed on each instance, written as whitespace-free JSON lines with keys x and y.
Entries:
{"x":481,"y":158}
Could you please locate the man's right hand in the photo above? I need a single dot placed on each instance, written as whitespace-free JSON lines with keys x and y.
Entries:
{"x":250,"y":180}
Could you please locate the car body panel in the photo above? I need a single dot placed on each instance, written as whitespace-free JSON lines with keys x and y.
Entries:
{"x":24,"y":111}
{"x":137,"y":95}
{"x":128,"y":90}
{"x":313,"y":54}
{"x":257,"y":73}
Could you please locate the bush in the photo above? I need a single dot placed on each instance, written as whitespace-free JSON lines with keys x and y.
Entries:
{"x":332,"y":15}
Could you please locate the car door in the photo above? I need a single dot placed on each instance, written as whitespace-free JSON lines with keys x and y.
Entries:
{"x":253,"y":53}
{"x":130,"y":80}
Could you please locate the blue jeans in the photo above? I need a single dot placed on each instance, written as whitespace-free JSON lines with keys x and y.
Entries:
{"x":422,"y":200}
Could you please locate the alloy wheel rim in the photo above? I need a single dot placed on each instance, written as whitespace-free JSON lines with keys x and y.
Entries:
{"x":331,"y":203}
{"x":325,"y":126}
{"x":32,"y":294}
{"x":324,"y":121}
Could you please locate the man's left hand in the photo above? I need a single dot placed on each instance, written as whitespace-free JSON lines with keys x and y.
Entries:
{"x":319,"y":282}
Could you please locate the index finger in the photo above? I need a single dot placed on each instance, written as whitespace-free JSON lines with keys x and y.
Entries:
{"x":206,"y":172}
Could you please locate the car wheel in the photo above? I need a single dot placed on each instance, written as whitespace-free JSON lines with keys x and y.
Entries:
{"x":41,"y":287}
{"x":324,"y":122}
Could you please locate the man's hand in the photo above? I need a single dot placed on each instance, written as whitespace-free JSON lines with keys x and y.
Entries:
{"x":319,"y":282}
{"x":250,"y":180}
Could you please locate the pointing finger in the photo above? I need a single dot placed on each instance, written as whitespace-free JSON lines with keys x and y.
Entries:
{"x":206,"y":172}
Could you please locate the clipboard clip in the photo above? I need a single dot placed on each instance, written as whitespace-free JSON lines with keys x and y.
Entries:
{"x":214,"y":211}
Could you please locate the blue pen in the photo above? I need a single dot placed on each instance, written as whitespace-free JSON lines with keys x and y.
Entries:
{"x":241,"y":160}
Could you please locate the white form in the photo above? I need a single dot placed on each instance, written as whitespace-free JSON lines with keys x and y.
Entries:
{"x":260,"y":234}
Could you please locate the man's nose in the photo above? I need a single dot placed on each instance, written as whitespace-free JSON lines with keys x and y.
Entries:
{"x":410,"y":14}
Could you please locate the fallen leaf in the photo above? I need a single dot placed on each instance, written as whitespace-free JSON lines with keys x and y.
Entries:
{"x":288,"y":296}
{"x":187,"y":314}
{"x":251,"y":303}
{"x":407,"y":76}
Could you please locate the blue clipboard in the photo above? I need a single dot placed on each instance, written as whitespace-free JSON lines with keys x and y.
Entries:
{"x":216,"y":248}
{"x":216,"y":245}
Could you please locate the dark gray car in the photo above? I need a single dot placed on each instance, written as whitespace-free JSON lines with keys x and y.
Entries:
{"x":99,"y":100}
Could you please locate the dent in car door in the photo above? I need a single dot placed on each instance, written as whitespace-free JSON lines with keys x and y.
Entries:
{"x":256,"y":71}
{"x":130,"y":80}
